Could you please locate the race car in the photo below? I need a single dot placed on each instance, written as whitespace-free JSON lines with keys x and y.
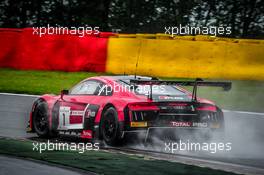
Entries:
{"x":110,"y":107}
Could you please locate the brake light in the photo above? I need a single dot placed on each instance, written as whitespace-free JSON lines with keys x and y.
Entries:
{"x":206,"y":108}
{"x":143,"y":107}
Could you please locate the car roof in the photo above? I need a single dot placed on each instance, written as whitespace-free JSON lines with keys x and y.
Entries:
{"x":124,"y":78}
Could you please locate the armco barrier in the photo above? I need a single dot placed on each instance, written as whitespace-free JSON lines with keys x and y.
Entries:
{"x":154,"y":54}
{"x":186,"y":56}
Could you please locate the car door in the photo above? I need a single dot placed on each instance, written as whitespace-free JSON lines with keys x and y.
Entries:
{"x":72,"y":107}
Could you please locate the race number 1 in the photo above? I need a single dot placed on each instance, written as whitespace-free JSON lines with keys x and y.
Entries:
{"x":64,"y":116}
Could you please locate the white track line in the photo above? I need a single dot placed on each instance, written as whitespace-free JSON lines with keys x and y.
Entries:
{"x":244,"y":112}
{"x":224,"y":110}
{"x":21,"y":95}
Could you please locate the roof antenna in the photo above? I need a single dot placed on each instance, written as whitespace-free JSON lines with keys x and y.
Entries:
{"x":139,"y":49}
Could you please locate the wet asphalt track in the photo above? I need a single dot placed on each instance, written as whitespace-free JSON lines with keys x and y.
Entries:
{"x":244,"y":130}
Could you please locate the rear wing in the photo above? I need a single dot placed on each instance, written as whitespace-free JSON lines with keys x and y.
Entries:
{"x":198,"y":82}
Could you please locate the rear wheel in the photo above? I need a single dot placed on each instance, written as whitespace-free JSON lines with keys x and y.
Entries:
{"x":110,"y":128}
{"x":220,"y":133}
{"x":40,"y":119}
{"x":220,"y":117}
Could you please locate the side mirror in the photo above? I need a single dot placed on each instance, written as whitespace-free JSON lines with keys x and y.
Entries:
{"x":64,"y":92}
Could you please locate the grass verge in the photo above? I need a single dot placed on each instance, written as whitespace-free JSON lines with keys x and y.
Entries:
{"x":39,"y":82}
{"x":103,"y":162}
{"x":244,"y":95}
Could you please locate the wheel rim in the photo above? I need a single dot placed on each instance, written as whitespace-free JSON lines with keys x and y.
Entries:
{"x":109,"y":126}
{"x":41,"y":119}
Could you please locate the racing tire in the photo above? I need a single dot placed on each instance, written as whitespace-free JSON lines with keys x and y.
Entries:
{"x":110,"y":128}
{"x":40,"y":119}
{"x":220,"y":117}
{"x":219,"y":133}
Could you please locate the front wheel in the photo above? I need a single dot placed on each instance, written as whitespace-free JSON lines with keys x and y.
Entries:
{"x":40,"y":119}
{"x":110,"y":128}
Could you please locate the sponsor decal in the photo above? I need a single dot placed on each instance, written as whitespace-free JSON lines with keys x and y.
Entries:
{"x":76,"y":113}
{"x":181,"y":124}
{"x":170,"y":98}
{"x":138,"y":124}
{"x":189,"y":124}
{"x":89,"y":113}
{"x":173,"y":107}
{"x":92,"y":114}
{"x":88,"y":134}
{"x":200,"y":124}
{"x":179,"y":107}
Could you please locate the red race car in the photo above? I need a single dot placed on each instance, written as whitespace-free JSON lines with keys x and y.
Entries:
{"x":110,"y":107}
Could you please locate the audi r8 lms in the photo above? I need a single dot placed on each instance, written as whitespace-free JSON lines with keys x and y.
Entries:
{"x":110,"y":107}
